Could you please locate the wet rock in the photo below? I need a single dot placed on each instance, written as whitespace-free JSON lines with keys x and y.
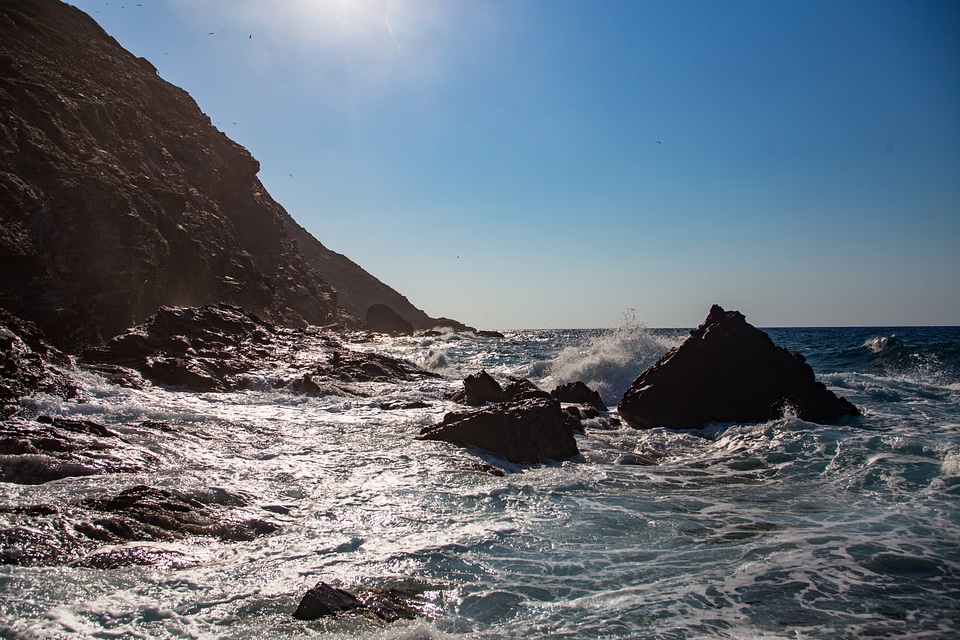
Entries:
{"x":579,"y":393}
{"x":402,"y":406}
{"x":221,"y":348}
{"x":46,"y":449}
{"x":386,"y":604}
{"x":524,"y":432}
{"x":77,"y":533}
{"x":479,"y":388}
{"x":324,"y":600}
{"x":635,"y":460}
{"x":728,"y":371}
{"x":383,"y":319}
{"x":149,"y":513}
{"x":28,"y":365}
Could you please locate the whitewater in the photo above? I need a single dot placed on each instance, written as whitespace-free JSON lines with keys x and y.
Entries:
{"x":784,"y":529}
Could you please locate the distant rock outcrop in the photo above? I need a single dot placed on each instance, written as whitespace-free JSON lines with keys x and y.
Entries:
{"x":728,"y":371}
{"x":383,"y":319}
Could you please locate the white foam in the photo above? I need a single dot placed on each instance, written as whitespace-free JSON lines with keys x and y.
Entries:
{"x":611,"y":361}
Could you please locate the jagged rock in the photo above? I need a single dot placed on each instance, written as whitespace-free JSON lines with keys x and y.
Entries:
{"x":325,"y":600}
{"x":523,"y":389}
{"x":579,"y":393}
{"x":525,"y":432}
{"x":728,"y":371}
{"x":76,"y":533}
{"x":383,"y":319}
{"x":29,"y":365}
{"x":479,"y":388}
{"x":222,"y":348}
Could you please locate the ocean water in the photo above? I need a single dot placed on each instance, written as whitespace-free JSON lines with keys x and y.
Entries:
{"x":785,"y":529}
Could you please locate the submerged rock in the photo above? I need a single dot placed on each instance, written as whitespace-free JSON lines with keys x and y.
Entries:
{"x":45,"y":449}
{"x":728,"y":371}
{"x":392,"y":604}
{"x":524,"y":432}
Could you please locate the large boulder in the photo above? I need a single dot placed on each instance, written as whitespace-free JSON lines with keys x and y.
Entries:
{"x":479,"y":388}
{"x":728,"y":371}
{"x":524,"y":432}
{"x":579,"y":393}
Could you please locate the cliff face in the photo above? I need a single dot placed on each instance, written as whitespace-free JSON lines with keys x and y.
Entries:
{"x":118,"y":195}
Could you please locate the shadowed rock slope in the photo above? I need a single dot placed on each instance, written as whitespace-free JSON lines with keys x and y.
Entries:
{"x":119,"y":196}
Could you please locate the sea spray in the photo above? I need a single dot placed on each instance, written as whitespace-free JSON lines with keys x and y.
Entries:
{"x":611,"y":361}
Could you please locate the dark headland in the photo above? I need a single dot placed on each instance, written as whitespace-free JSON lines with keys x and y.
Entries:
{"x":119,"y":196}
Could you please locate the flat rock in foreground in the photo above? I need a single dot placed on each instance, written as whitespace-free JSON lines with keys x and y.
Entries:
{"x":728,"y":371}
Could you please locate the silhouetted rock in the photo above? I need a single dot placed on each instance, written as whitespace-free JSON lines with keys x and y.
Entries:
{"x":579,"y":393}
{"x":451,"y":325}
{"x":523,"y":389}
{"x":383,"y":319}
{"x":479,"y":388}
{"x":525,"y":432}
{"x":728,"y":371}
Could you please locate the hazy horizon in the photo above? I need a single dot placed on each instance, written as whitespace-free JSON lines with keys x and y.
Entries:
{"x":556,"y":163}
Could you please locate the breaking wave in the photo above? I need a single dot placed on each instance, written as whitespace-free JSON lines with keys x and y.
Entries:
{"x":610,"y":361}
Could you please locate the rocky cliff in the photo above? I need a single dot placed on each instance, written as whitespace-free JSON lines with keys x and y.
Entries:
{"x":118,"y":195}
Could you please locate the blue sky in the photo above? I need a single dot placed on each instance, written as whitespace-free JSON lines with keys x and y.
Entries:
{"x":556,"y":163}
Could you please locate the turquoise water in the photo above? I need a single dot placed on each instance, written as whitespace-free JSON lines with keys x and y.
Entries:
{"x":785,"y":529}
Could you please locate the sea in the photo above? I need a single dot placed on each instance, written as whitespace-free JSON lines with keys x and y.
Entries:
{"x":784,"y":529}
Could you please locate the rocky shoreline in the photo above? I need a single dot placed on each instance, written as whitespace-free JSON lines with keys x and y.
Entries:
{"x":222,"y":349}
